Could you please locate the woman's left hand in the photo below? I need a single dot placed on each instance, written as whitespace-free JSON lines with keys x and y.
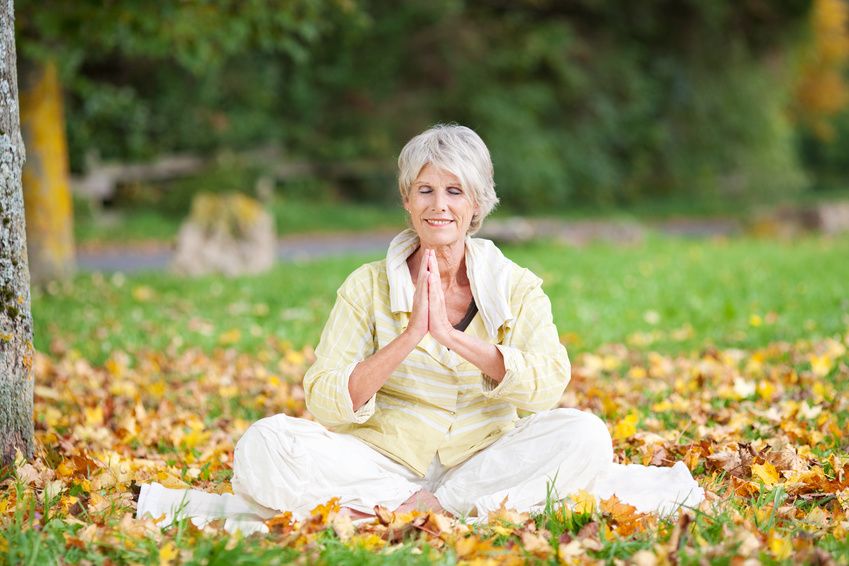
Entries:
{"x":438,"y":325}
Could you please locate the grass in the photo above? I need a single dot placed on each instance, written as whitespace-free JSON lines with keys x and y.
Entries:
{"x":666,"y":295}
{"x":142,"y":224}
{"x":670,"y":294}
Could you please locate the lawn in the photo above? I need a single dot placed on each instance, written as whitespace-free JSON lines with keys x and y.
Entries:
{"x":145,"y":224}
{"x":669,"y":294}
{"x":729,"y":355}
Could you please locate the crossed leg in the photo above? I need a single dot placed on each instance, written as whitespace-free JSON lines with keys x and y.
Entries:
{"x":287,"y":463}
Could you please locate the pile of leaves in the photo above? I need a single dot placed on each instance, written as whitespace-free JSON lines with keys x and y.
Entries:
{"x":763,"y":432}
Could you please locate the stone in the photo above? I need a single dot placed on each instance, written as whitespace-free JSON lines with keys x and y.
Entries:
{"x":791,"y":221}
{"x":228,"y":234}
{"x":513,"y":230}
{"x":832,"y":217}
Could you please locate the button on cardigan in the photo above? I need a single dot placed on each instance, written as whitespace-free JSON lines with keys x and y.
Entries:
{"x":435,"y":403}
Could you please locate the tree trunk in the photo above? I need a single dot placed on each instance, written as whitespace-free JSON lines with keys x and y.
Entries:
{"x":47,"y":194}
{"x":16,"y":351}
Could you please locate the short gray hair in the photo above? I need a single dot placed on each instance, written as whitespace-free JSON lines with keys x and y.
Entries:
{"x":456,"y":149}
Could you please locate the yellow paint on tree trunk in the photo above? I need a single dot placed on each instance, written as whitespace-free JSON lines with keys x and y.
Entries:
{"x":47,"y":195}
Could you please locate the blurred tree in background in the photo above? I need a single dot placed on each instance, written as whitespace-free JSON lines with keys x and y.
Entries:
{"x":822,"y":92}
{"x":580,"y":102}
{"x":47,"y":191}
{"x":139,"y":76}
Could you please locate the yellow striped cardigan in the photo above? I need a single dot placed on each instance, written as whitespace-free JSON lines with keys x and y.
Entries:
{"x":435,"y":402}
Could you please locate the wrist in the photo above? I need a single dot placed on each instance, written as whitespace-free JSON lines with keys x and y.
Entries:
{"x":411,"y":337}
{"x":449,"y":339}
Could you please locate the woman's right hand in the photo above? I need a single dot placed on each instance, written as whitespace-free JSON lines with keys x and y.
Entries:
{"x":419,"y":317}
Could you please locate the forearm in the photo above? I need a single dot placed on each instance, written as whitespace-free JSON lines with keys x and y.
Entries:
{"x":370,"y":374}
{"x":481,"y":354}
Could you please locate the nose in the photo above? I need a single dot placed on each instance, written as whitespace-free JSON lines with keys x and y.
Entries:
{"x":439,"y":200}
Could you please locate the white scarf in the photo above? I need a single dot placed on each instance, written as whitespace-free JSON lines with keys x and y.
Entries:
{"x":487,"y":268}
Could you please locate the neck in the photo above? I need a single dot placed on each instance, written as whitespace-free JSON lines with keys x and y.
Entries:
{"x":451,"y":260}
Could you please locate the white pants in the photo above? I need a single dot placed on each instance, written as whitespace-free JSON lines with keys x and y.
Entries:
{"x":288,"y":464}
{"x":292,"y":464}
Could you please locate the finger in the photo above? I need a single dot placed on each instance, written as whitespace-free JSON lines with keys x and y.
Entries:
{"x":422,"y":279}
{"x":433,"y":286}
{"x":434,"y":265}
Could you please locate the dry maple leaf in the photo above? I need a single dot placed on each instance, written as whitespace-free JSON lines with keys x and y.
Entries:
{"x":322,"y":513}
{"x":434,"y":524}
{"x":282,"y":523}
{"x":537,"y":544}
{"x":624,"y":516}
{"x":384,"y":515}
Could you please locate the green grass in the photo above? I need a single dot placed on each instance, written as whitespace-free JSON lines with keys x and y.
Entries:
{"x":291,"y":216}
{"x":741,"y":292}
{"x":669,"y":294}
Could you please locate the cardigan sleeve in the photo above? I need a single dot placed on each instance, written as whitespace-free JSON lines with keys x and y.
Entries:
{"x":537,"y":364}
{"x":347,"y":339}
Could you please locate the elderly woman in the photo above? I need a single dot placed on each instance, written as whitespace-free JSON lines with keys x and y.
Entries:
{"x":422,"y":366}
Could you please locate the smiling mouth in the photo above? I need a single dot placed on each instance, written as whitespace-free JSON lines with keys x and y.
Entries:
{"x":435,"y":222}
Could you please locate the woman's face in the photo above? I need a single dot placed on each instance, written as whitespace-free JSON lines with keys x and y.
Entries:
{"x":440,"y":208}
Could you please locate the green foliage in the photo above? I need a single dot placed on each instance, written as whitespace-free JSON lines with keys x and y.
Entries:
{"x":582,"y":102}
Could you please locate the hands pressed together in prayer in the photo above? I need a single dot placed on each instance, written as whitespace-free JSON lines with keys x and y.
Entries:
{"x":429,"y":315}
{"x":429,"y":312}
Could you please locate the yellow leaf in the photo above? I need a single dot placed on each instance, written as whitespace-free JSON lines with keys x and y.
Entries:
{"x":370,"y":542}
{"x":584,"y":502}
{"x":157,"y":389}
{"x":626,"y":427}
{"x":325,"y":510}
{"x":143,"y":293}
{"x":194,"y":438}
{"x":295,"y":357}
{"x":766,"y":390}
{"x":273,"y":381}
{"x":821,"y":365}
{"x":230,"y":337}
{"x":115,"y":368}
{"x":93,"y":416}
{"x":52,"y":416}
{"x":167,"y":554}
{"x":755,"y":320}
{"x":765,"y":472}
{"x":228,"y":391}
{"x":780,"y":547}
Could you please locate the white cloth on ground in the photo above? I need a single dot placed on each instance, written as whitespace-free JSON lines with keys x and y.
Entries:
{"x":285,"y":463}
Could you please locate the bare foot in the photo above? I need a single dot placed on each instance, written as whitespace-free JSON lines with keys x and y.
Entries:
{"x":422,"y":500}
{"x":354,"y":514}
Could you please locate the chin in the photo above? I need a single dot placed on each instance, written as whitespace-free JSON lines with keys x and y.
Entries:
{"x":437,"y":240}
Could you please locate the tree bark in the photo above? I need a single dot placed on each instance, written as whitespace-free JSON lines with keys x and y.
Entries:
{"x":47,"y":192}
{"x":16,"y":350}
